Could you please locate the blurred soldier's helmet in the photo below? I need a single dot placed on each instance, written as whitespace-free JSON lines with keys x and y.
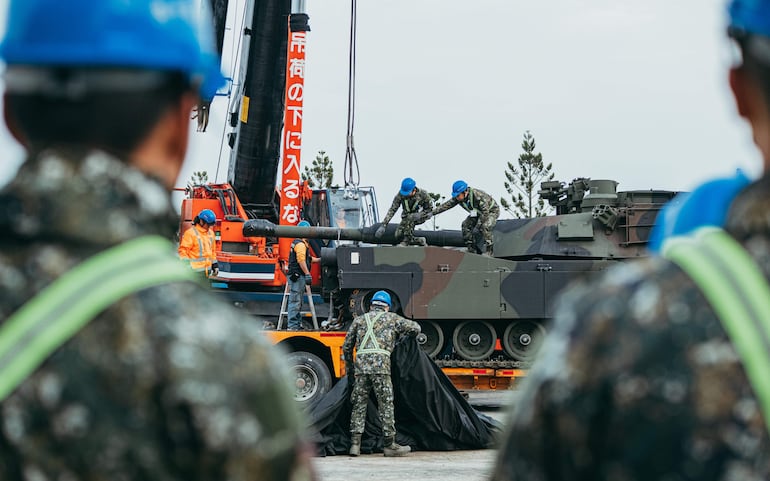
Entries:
{"x":303,"y":223}
{"x":144,"y":35}
{"x":750,"y":16}
{"x":207,"y":216}
{"x":407,"y":186}
{"x":381,"y":298}
{"x":459,"y":187}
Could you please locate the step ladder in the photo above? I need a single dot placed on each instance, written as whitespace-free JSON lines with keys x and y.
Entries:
{"x":284,"y":315}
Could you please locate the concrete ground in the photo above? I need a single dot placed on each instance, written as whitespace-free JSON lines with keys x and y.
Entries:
{"x":423,"y":465}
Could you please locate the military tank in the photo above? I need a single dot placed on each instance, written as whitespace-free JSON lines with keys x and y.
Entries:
{"x":482,"y":311}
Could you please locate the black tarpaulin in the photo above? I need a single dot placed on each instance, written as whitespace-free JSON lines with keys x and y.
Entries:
{"x":431,"y":414}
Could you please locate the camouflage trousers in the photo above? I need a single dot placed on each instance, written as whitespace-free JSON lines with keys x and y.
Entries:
{"x":484,"y":224}
{"x":406,"y":229}
{"x":383,"y":390}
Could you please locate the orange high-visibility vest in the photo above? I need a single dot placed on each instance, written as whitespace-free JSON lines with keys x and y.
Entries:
{"x":197,"y":247}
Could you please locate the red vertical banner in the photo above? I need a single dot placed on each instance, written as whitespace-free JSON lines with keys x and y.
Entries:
{"x":292,"y":135}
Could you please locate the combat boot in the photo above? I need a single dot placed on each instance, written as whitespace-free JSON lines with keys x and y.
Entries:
{"x":421,"y":241}
{"x":355,"y":445}
{"x":488,"y":251}
{"x":392,"y":449}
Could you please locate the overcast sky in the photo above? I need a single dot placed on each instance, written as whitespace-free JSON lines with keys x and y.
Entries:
{"x":634,"y":91}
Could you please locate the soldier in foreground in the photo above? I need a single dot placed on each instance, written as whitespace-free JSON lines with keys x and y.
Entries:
{"x":416,"y":205}
{"x":374,"y":335}
{"x":483,"y":212}
{"x":110,"y":366}
{"x":639,"y":378}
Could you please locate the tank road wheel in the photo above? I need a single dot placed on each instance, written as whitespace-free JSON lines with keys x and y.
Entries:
{"x":358,"y":302}
{"x":474,"y":340}
{"x":311,"y":378}
{"x":431,"y":339}
{"x":522,"y":339}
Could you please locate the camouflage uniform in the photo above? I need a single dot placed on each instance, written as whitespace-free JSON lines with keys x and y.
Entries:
{"x":372,"y":369}
{"x":639,"y":381}
{"x":487,"y":211}
{"x":419,"y":202}
{"x":167,"y":384}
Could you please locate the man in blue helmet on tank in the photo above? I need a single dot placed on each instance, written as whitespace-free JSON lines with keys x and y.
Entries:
{"x":115,"y":363}
{"x":416,"y":206}
{"x":643,"y":375}
{"x":483,"y":212}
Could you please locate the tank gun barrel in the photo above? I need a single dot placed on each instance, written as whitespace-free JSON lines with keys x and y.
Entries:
{"x":265,"y":228}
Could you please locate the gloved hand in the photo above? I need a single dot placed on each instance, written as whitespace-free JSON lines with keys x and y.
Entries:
{"x":214,"y":269}
{"x":379,"y":232}
{"x":415,"y":216}
{"x":308,"y":279}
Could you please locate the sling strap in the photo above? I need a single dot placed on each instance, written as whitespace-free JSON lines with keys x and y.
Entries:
{"x":739,"y":294}
{"x":375,"y":349}
{"x":59,"y":311}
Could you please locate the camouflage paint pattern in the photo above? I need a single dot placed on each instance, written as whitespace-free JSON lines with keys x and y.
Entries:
{"x":169,"y":383}
{"x":639,"y":380}
{"x":512,"y":292}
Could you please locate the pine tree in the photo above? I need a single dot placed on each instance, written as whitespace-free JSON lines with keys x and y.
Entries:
{"x":198,"y":178}
{"x":522,"y":183}
{"x":321,"y":173}
{"x":436,"y":200}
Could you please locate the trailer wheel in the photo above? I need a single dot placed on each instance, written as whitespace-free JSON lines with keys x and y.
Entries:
{"x":522,"y":339}
{"x":311,"y":378}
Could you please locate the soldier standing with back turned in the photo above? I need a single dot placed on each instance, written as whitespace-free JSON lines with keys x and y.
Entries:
{"x":643,"y":375}
{"x":374,"y":336}
{"x":115,"y":363}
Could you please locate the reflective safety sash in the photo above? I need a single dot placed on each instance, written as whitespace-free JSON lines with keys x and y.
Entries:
{"x":60,"y":310}
{"x":739,"y":294}
{"x":201,"y":263}
{"x":371,"y":337}
{"x":408,"y":209}
{"x":467,"y":204}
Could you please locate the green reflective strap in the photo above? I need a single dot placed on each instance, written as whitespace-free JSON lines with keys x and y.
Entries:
{"x":52,"y":317}
{"x":739,"y":294}
{"x":371,"y":337}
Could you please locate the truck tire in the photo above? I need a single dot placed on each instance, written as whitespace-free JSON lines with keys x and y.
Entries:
{"x":310,"y":377}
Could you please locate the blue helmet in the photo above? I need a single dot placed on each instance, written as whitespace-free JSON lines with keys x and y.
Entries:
{"x":750,"y":16}
{"x":381,"y":297}
{"x":407,"y":186}
{"x":162,"y":35}
{"x":303,"y":223}
{"x":459,"y":187}
{"x":207,"y":216}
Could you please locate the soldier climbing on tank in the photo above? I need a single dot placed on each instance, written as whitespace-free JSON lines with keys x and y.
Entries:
{"x":483,"y":213}
{"x":416,"y":206}
{"x":374,"y":335}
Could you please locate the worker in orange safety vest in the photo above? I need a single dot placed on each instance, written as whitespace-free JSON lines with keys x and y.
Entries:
{"x":198,"y":244}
